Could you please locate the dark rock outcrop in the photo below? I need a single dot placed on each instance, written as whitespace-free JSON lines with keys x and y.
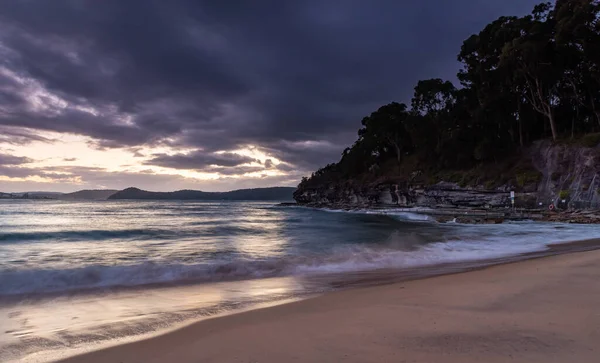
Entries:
{"x":438,"y":195}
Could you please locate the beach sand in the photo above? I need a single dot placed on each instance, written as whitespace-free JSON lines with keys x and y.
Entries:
{"x":541,"y":310}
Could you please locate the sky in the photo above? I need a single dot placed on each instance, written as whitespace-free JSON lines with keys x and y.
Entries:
{"x":209,"y":95}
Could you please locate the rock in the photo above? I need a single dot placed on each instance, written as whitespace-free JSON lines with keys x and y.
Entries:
{"x":446,"y":194}
{"x":494,"y":221}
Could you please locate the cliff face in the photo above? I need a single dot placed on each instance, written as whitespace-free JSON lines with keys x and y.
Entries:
{"x":567,"y":172}
{"x":570,"y":173}
{"x":439,"y":195}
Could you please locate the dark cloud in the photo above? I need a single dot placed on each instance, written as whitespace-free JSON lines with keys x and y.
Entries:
{"x":288,"y":168}
{"x":19,"y":136}
{"x":218,"y":75}
{"x":304,"y":155}
{"x":70,"y":159}
{"x":199,"y":160}
{"x":17,"y":172}
{"x":238,"y":170}
{"x":137,"y":153}
{"x":10,"y":166}
{"x":6,"y":159}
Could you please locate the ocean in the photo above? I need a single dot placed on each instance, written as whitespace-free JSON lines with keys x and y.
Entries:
{"x":76,"y":276}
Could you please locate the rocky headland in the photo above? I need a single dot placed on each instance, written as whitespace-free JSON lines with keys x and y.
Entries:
{"x":561,"y":183}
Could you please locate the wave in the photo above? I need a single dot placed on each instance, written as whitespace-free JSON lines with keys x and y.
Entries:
{"x":396,"y":253}
{"x":412,"y":214}
{"x":204,"y":229}
{"x":408,"y":216}
{"x":81,"y":235}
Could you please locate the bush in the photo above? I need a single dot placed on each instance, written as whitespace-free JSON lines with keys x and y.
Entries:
{"x":591,"y":140}
{"x":431,"y":180}
{"x":454,"y":177}
{"x":529,"y":177}
{"x":564,"y":194}
{"x":483,"y":150}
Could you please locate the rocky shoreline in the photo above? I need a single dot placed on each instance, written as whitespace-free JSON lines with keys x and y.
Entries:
{"x":576,"y":216}
{"x":473,"y":215}
{"x":561,"y":184}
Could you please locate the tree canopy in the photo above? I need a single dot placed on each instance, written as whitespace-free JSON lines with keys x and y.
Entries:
{"x":522,"y":79}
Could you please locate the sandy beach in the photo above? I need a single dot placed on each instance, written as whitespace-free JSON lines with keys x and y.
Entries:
{"x":541,"y":310}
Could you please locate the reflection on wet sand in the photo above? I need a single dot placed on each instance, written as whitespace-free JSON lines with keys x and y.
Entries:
{"x":95,"y":320}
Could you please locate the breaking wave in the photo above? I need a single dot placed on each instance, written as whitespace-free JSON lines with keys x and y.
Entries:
{"x":395,"y":254}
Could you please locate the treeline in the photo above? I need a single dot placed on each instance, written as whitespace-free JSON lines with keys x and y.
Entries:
{"x":523,"y":79}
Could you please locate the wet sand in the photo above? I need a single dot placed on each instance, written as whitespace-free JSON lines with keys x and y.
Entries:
{"x":540,"y":310}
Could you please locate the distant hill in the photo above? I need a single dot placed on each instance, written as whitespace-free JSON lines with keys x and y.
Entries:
{"x":100,"y":194}
{"x":30,"y":195}
{"x":275,"y":193}
{"x":42,"y":194}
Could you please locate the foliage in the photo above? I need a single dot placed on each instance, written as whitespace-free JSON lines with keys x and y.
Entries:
{"x":527,"y":178}
{"x":522,"y":79}
{"x":564,"y":194}
{"x":591,"y":140}
{"x":490,"y":184}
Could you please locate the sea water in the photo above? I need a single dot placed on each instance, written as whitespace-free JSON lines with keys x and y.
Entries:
{"x":76,"y":275}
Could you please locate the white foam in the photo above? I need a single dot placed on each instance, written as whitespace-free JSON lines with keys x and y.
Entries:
{"x":409,"y":214}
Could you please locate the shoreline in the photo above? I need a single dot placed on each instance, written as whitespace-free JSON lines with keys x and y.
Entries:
{"x":468,"y":215}
{"x":202,"y":332}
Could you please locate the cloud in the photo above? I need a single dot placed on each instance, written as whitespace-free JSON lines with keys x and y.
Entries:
{"x":6,"y":159}
{"x":292,"y":78}
{"x":305,"y":155}
{"x":20,"y":136}
{"x":238,"y":170}
{"x":199,"y":160}
{"x":17,"y":172}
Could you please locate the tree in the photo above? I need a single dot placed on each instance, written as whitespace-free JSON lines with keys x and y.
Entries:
{"x":433,"y":96}
{"x":578,"y":38}
{"x":499,"y":103}
{"x":385,"y":129}
{"x":530,"y":57}
{"x":522,"y":78}
{"x":432,"y":103}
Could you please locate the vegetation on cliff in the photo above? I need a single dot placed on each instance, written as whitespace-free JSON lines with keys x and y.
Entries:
{"x":523,"y":79}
